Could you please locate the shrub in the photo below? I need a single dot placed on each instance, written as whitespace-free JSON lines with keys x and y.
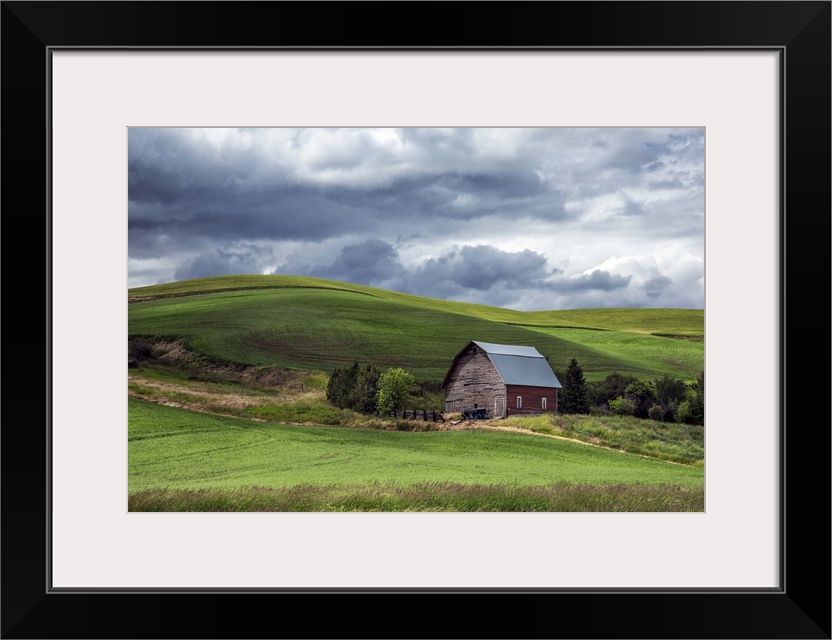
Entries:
{"x":656,"y":412}
{"x":139,"y":349}
{"x":614,"y":385}
{"x":622,"y":406}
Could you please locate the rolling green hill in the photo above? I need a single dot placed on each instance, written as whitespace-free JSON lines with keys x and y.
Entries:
{"x":308,"y":323}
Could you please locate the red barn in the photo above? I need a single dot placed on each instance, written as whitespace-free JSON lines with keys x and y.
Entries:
{"x":503,"y":379}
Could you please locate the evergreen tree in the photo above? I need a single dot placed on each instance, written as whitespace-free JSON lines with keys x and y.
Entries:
{"x":573,"y":396}
{"x":365,"y":389}
{"x":339,"y":389}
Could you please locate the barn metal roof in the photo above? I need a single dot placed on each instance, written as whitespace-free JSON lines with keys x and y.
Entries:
{"x":520,"y":365}
{"x":508,"y":350}
{"x":531,"y":372}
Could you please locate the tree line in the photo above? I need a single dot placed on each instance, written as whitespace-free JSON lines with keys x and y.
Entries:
{"x":369,"y":390}
{"x":665,"y":399}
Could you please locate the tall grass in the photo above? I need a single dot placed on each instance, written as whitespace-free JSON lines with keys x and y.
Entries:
{"x":669,"y":441}
{"x":427,"y":497}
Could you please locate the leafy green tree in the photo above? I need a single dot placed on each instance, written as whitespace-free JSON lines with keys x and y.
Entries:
{"x":699,"y":387}
{"x":573,"y":397}
{"x":670,"y":391}
{"x":696,"y":399}
{"x":683,"y":413}
{"x":393,"y":387}
{"x":642,"y":393}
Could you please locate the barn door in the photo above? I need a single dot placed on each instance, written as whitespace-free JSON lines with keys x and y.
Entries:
{"x":499,"y":407}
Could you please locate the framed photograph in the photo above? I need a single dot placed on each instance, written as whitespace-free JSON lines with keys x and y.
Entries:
{"x":754,"y":77}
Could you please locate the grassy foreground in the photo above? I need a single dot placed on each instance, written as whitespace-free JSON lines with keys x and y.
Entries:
{"x":560,"y":497}
{"x":183,"y":460}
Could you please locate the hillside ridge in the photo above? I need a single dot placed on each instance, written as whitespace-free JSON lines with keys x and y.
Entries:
{"x":545,"y":318}
{"x":300,"y":322}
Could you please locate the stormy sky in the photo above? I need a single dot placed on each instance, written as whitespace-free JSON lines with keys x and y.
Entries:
{"x":526,"y":218}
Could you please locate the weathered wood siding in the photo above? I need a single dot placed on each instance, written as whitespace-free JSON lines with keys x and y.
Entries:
{"x":473,"y":380}
{"x":532,"y":400}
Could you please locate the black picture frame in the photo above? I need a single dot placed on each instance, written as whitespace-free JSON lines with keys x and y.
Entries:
{"x":799,"y":608}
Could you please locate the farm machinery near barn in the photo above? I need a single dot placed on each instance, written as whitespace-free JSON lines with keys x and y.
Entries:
{"x":477,"y":413}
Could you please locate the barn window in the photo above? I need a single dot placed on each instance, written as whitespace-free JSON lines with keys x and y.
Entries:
{"x":519,"y":402}
{"x":543,"y":404}
{"x":474,"y":351}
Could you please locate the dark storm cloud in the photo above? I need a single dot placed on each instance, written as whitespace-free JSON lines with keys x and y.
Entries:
{"x":654,"y":287}
{"x":370,"y":262}
{"x":232,"y":260}
{"x":209,"y":264}
{"x":186,"y":186}
{"x":227,"y":216}
{"x":478,"y":268}
{"x":430,"y":197}
{"x":595,"y":281}
{"x":511,"y":185}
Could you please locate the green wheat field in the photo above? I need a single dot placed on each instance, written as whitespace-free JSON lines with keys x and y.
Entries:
{"x":227,"y":408}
